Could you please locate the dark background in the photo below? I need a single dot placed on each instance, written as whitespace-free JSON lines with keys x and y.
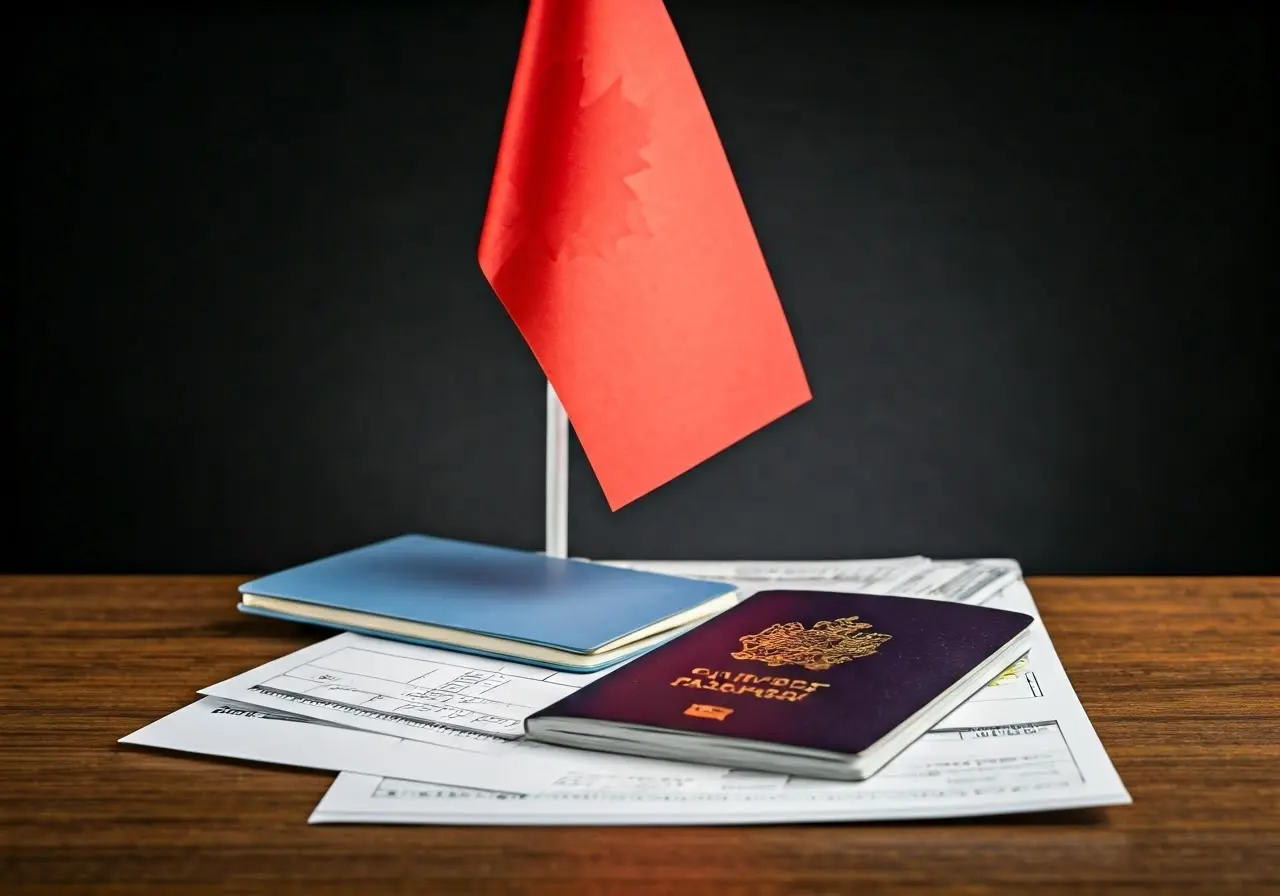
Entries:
{"x":1028,"y":254}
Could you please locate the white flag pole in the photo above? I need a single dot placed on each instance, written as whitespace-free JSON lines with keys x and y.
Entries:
{"x":557,"y":525}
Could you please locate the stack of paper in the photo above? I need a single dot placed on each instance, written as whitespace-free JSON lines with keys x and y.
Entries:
{"x":421,"y":735}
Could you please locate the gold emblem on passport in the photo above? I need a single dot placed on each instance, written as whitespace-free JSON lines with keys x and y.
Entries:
{"x":715,"y":713}
{"x":825,"y":645}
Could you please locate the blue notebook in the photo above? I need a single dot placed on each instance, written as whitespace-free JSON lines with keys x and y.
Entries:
{"x":562,"y":614}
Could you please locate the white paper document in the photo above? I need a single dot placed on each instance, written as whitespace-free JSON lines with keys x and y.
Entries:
{"x":396,"y":687}
{"x":947,"y":773}
{"x":334,"y":681}
{"x":216,"y":727}
{"x":962,"y":581}
{"x":1023,"y":744}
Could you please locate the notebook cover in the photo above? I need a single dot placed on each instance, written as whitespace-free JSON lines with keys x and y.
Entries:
{"x":815,"y":669}
{"x":571,"y":605}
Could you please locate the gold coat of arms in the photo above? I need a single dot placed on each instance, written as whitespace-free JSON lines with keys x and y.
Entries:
{"x":825,"y":645}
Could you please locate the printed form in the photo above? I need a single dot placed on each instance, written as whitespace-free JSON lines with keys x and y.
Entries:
{"x":1023,"y":744}
{"x":410,"y":683}
{"x":216,"y":727}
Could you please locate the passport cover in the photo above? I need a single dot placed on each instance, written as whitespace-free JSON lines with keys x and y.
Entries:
{"x":812,"y":669}
{"x":570,"y":605}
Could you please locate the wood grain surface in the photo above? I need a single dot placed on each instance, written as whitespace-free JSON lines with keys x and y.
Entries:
{"x":1179,"y":676}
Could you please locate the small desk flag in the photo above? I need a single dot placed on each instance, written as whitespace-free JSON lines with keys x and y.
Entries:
{"x":617,"y":239}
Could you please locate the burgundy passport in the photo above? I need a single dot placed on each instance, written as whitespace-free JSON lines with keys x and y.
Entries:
{"x":799,"y":671}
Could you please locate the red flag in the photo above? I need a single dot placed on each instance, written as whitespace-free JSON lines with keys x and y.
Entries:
{"x":618,"y":241}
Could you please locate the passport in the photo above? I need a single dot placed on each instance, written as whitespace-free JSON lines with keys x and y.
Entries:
{"x":570,"y":615}
{"x":811,"y":683}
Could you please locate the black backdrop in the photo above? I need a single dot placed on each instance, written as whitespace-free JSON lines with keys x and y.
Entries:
{"x":1028,"y":254}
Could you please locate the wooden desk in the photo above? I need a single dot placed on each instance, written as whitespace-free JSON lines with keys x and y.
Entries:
{"x":1179,"y":675}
